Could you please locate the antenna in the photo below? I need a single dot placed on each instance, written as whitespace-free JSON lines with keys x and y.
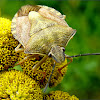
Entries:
{"x":87,"y":54}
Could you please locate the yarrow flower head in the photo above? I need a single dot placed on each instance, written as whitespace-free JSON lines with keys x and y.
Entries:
{"x":8,"y":57}
{"x":15,"y":85}
{"x":45,"y":68}
{"x":59,"y":95}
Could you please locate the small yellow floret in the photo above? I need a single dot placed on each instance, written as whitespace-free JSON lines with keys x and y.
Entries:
{"x":1,"y":67}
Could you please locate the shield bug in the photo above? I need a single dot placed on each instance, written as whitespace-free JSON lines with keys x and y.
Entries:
{"x":41,"y":30}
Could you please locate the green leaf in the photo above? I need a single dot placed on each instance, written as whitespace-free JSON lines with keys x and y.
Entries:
{"x":10,"y":69}
{"x":18,"y":67}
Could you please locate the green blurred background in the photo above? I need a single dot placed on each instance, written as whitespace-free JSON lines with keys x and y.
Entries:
{"x":83,"y":76}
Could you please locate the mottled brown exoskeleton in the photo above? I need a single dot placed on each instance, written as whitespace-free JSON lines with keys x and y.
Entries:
{"x":41,"y":30}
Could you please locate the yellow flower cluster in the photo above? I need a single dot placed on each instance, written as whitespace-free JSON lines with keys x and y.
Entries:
{"x":15,"y":85}
{"x":8,"y":57}
{"x":45,"y":67}
{"x":59,"y":95}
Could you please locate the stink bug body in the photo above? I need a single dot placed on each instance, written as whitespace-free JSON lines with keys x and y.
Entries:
{"x":41,"y":30}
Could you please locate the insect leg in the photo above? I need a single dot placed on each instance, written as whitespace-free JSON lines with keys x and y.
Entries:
{"x":40,"y":62}
{"x":49,"y":78}
{"x":26,"y":58}
{"x":71,"y":59}
{"x":43,"y":73}
{"x":18,"y":49}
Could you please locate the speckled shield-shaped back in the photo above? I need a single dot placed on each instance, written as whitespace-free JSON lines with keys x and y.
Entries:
{"x":37,"y":26}
{"x":21,"y":25}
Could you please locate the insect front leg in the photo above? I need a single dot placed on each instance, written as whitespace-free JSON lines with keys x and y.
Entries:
{"x":49,"y":78}
{"x":18,"y":49}
{"x":26,"y":58}
{"x":40,"y":62}
{"x":71,"y":59}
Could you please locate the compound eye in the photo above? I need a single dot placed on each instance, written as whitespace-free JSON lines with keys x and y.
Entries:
{"x":63,"y":48}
